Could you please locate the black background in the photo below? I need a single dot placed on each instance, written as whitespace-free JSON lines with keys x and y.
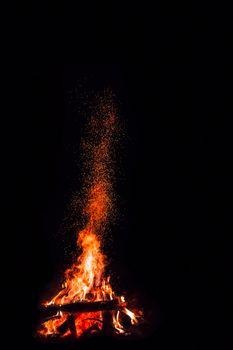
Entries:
{"x":171,"y":245}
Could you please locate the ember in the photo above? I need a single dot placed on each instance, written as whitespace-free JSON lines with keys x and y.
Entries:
{"x":86,"y":304}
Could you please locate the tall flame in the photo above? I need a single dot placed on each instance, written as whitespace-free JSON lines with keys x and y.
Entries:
{"x":85,"y":279}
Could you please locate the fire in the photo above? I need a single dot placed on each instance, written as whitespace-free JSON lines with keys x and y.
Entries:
{"x":85,"y":280}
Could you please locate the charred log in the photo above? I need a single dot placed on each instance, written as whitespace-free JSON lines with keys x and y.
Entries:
{"x":109,"y":305}
{"x":69,"y":324}
{"x":108,"y":328}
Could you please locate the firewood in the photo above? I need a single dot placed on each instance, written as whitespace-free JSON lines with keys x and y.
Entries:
{"x":80,"y":307}
{"x":68,"y":324}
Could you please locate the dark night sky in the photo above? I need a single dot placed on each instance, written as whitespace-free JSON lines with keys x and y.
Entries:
{"x":170,"y":245}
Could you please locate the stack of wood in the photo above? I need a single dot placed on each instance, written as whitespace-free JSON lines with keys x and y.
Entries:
{"x":107,"y":307}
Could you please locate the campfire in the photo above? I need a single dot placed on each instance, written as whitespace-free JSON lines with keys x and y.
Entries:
{"x":86,"y":303}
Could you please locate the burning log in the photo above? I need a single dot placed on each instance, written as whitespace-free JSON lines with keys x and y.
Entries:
{"x":80,"y":307}
{"x":68,"y":324}
{"x":108,"y":327}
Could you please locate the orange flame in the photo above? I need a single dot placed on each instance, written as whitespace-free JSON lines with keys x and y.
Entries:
{"x":85,"y":280}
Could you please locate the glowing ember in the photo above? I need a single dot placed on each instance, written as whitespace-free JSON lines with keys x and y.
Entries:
{"x":85,"y":281}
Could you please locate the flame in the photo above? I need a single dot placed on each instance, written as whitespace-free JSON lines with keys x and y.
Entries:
{"x":85,"y":279}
